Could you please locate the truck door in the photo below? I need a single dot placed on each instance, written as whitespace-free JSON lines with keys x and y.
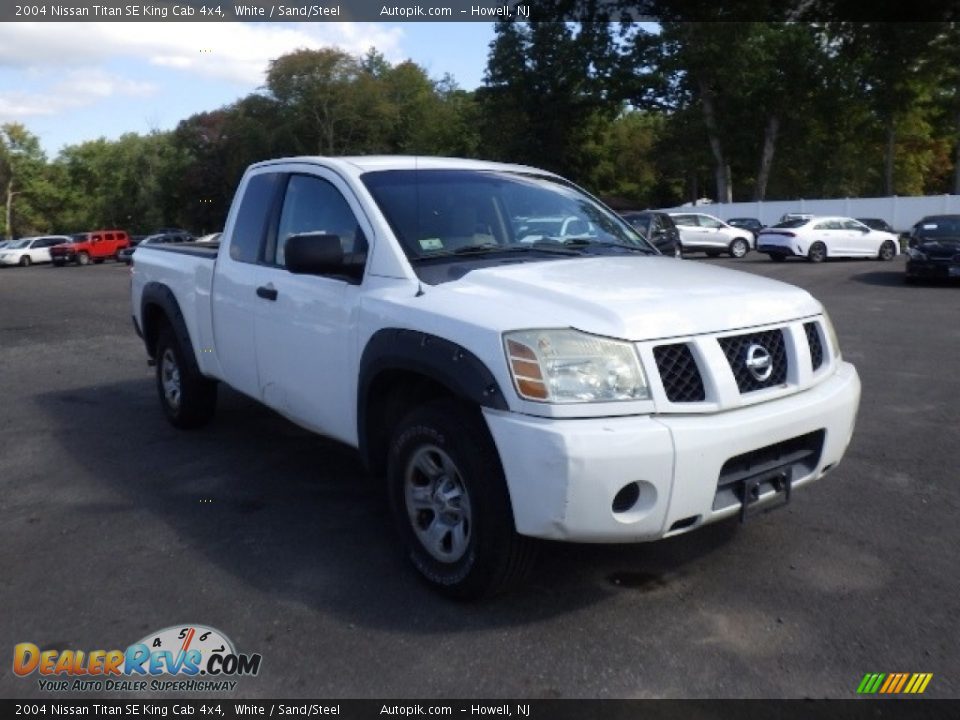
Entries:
{"x":235,"y":301}
{"x":306,"y":324}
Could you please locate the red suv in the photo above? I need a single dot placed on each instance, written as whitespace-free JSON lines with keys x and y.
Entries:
{"x":94,"y":246}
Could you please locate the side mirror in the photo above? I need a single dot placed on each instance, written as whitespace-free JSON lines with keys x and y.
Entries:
{"x":864,"y":230}
{"x":318,"y":253}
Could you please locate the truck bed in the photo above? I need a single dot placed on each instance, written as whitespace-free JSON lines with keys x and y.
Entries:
{"x":207,"y":251}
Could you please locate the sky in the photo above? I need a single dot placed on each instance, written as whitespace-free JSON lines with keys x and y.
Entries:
{"x":71,"y":82}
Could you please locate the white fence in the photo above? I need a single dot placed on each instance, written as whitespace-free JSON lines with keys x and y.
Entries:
{"x":900,"y":212}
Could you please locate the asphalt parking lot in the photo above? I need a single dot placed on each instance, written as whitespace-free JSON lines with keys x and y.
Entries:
{"x":115,"y":525}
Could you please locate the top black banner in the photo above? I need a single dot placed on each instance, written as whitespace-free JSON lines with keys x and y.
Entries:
{"x":626,"y":11}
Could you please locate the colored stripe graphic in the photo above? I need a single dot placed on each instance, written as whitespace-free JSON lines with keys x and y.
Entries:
{"x":894,"y":683}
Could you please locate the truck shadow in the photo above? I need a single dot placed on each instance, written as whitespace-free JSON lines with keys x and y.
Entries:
{"x":295,"y":515}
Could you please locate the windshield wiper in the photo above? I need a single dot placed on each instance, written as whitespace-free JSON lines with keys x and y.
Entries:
{"x":494,"y":248}
{"x":582,"y":242}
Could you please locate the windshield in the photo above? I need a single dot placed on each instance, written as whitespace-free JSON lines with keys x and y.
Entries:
{"x":18,"y":244}
{"x":440,"y":213}
{"x":938,"y":227}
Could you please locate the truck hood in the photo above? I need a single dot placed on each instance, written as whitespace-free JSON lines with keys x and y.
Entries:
{"x":632,"y":298}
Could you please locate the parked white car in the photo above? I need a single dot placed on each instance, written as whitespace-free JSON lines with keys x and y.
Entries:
{"x":818,"y":238}
{"x":29,"y":250}
{"x":705,"y":233}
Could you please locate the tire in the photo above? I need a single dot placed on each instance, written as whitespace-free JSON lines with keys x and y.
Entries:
{"x":817,"y":252}
{"x":777,"y":258}
{"x":188,"y":399}
{"x":739,"y":248}
{"x":887,"y":251}
{"x":678,"y":251}
{"x":83,"y":259}
{"x":443,"y":462}
{"x":25,"y":261}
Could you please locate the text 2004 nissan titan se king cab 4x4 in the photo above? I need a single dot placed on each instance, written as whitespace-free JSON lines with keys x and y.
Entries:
{"x":511,"y":356}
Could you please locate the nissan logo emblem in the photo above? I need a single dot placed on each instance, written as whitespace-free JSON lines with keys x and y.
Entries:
{"x":759,"y":362}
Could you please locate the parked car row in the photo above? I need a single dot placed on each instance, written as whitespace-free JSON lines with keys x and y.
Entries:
{"x":89,"y":247}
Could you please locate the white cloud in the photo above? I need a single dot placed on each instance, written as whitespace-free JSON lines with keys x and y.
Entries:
{"x":76,"y":88}
{"x":231,"y":51}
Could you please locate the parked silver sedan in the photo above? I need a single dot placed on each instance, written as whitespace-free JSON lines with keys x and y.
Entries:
{"x":700,"y":232}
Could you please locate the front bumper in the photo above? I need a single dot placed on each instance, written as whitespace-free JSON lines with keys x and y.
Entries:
{"x":933,"y":269}
{"x":66,"y":256}
{"x":10,"y":260}
{"x":563,"y":475}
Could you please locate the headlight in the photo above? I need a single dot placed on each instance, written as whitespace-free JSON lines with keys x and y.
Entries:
{"x":569,"y":366}
{"x":831,"y":334}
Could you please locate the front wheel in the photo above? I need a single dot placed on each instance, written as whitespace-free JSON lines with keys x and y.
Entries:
{"x":188,"y":399}
{"x":450,"y":502}
{"x":739,"y":247}
{"x":83,"y":259}
{"x":887,"y":251}
{"x":25,"y":261}
{"x":817,"y":252}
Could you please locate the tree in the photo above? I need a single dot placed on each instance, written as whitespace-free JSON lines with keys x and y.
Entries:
{"x":22,"y":163}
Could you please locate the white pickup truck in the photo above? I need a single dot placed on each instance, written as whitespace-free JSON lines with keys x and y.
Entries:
{"x":510,"y":355}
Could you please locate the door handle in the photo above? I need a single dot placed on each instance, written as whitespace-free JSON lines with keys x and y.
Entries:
{"x":267,"y":292}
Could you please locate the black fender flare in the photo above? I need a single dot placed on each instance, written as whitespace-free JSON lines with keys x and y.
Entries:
{"x":161,"y":296}
{"x":442,"y":361}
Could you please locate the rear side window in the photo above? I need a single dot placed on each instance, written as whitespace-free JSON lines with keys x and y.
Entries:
{"x":685,"y":220}
{"x":252,"y":217}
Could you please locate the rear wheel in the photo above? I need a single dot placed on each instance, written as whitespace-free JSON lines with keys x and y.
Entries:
{"x":83,"y":259}
{"x":887,"y":251}
{"x":189,"y":400}
{"x":450,"y":502}
{"x":738,"y":248}
{"x":817,"y":252}
{"x":25,"y":261}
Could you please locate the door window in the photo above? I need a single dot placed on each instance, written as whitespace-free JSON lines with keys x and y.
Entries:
{"x":313,"y":205}
{"x":709,"y":222}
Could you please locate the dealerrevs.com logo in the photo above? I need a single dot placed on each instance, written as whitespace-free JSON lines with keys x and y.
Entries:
{"x":180,"y":658}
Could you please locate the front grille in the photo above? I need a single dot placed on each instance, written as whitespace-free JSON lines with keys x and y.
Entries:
{"x":679,"y":372}
{"x":816,"y":346}
{"x":739,"y":349}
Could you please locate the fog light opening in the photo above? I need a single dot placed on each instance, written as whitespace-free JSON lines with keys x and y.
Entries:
{"x":626,"y":498}
{"x":684,"y":523}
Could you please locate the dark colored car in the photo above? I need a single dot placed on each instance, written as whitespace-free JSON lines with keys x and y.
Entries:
{"x":179,"y":236}
{"x":658,"y":229}
{"x":877,"y":224}
{"x":934,"y":248}
{"x":747,"y":223}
